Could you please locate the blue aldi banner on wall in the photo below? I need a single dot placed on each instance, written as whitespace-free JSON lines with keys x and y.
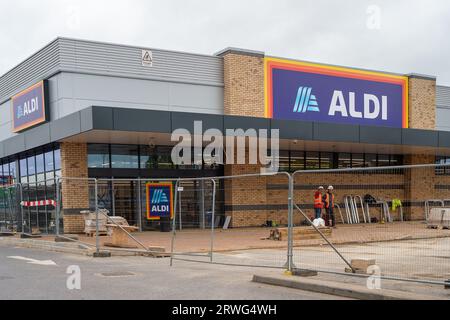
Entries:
{"x":313,"y":92}
{"x":30,"y":107}
{"x":159,"y":200}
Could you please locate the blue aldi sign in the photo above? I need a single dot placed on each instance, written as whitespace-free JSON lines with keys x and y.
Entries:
{"x":159,"y":200}
{"x":30,"y":107}
{"x":319,"y":93}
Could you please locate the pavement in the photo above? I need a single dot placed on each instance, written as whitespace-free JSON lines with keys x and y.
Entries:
{"x":361,"y":288}
{"x":196,"y":240}
{"x":36,"y":274}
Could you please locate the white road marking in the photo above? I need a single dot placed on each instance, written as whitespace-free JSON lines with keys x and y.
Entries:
{"x":34,"y":261}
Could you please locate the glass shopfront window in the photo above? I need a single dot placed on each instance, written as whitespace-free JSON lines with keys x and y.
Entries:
{"x":370,"y":160}
{"x":383,"y":160}
{"x":312,"y":161}
{"x":441,"y":171}
{"x":283,"y":161}
{"x":297,"y":160}
{"x":344,"y":160}
{"x":396,"y":160}
{"x":357,"y":160}
{"x":164,"y":158}
{"x":57,"y":156}
{"x":326,"y":160}
{"x":124,"y":156}
{"x":98,"y":156}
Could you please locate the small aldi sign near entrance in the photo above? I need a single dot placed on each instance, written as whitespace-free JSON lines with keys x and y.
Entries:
{"x":159,"y":200}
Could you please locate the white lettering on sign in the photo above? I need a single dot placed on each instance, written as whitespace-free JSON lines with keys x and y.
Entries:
{"x":160,"y":208}
{"x":338,"y":104}
{"x":30,"y":106}
{"x":371,"y":110}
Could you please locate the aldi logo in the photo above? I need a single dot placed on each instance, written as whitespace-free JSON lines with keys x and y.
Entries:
{"x":159,"y":200}
{"x":306,"y":101}
{"x":30,"y":107}
{"x":320,"y":93}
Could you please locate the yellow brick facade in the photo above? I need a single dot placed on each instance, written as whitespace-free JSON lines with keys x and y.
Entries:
{"x":422,"y":103}
{"x":244,"y":96}
{"x":75,"y":186}
{"x":244,"y":84}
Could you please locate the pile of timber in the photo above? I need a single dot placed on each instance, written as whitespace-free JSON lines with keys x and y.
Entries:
{"x":299,"y":233}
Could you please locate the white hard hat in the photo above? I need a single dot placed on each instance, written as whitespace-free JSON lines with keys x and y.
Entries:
{"x":330,"y":188}
{"x":321,"y":187}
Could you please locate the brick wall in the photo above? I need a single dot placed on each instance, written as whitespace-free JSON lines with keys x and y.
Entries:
{"x":422,"y":102}
{"x":244,"y":84}
{"x":75,"y":192}
{"x":244,"y":95}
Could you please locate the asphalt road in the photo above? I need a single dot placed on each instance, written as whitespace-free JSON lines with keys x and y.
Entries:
{"x":34,"y":274}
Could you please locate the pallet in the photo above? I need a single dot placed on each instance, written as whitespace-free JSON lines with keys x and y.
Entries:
{"x":299,"y":233}
{"x":93,"y":233}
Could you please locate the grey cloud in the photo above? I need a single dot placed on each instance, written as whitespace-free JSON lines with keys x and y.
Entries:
{"x":412,"y":38}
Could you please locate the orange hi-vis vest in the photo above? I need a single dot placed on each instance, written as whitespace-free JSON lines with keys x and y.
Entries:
{"x":327,"y":200}
{"x":318,"y":200}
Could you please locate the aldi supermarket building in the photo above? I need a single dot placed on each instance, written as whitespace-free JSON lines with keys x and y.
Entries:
{"x":83,"y":109}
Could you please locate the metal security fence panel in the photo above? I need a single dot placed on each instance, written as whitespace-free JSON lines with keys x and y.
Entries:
{"x":396,"y":219}
{"x":76,"y":206}
{"x":238,"y":231}
{"x":10,"y":209}
{"x":38,"y":206}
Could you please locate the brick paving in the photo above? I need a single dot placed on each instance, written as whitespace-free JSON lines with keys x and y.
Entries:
{"x":252,"y":238}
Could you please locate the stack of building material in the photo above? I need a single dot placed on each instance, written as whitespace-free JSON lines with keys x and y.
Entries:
{"x":90,"y":222}
{"x":439,"y":218}
{"x":299,"y":233}
{"x":121,"y":221}
{"x":360,"y":266}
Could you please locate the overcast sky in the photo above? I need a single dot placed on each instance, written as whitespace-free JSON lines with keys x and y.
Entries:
{"x":398,"y":36}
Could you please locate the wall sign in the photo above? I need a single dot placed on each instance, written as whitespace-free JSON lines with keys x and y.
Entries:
{"x":147,"y":58}
{"x":30,"y":107}
{"x":314,"y":92}
{"x":159,"y":200}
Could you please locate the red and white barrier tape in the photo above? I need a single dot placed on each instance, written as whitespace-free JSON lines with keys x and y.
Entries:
{"x":38,"y":203}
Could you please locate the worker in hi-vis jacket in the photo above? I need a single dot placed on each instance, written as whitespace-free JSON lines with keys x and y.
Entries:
{"x":318,"y":202}
{"x":329,"y":206}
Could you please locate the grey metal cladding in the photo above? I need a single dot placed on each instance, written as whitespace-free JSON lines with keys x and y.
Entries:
{"x":139,"y":120}
{"x":82,"y":56}
{"x":102,"y":118}
{"x":38,"y":136}
{"x":14,"y":145}
{"x":336,"y":132}
{"x":443,"y":96}
{"x":444,"y":139}
{"x":87,"y":119}
{"x":418,"y":137}
{"x":65,"y":127}
{"x":2,"y":150}
{"x":184,"y":120}
{"x":40,"y":65}
{"x":123,"y":60}
{"x":377,"y":135}
{"x":291,"y":129}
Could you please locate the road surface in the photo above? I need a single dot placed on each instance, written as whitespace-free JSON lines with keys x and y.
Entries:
{"x":34,"y":274}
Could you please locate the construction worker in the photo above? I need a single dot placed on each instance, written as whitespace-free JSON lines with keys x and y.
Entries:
{"x":318,"y":202}
{"x":329,"y":205}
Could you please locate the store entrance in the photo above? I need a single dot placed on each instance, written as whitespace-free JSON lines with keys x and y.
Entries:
{"x":120,"y":198}
{"x":127,"y":198}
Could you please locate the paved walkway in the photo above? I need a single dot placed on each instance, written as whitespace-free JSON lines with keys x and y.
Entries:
{"x":244,"y":239}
